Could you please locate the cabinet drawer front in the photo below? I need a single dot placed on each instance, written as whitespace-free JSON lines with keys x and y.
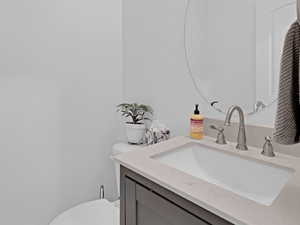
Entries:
{"x":164,"y":209}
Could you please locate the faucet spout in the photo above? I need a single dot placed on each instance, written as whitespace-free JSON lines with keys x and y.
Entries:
{"x":241,"y":139}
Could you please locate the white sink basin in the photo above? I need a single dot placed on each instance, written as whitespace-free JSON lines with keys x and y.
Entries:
{"x":248,"y":178}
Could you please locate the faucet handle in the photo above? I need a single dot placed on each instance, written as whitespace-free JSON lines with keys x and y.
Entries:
{"x":220,"y":129}
{"x":221,"y":139}
{"x":268,"y":138}
{"x":268,"y":149}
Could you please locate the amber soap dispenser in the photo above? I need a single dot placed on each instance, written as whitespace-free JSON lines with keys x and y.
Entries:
{"x":197,"y":126}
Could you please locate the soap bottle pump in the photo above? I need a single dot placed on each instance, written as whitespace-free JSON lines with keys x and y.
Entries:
{"x":197,"y":126}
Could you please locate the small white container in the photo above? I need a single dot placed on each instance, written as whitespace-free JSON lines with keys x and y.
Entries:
{"x":135,"y":132}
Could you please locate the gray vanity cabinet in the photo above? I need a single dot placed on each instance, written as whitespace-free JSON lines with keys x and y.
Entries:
{"x":145,"y":203}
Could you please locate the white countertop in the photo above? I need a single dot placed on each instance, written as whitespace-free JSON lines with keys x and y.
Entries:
{"x":285,"y":210}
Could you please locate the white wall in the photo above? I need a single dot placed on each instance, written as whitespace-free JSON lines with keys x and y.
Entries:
{"x":60,"y":79}
{"x":155,"y":68}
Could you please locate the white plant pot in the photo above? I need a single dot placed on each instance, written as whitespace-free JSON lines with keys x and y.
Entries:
{"x":135,"y":132}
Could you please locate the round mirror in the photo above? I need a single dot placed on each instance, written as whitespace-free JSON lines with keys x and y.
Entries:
{"x":233,"y":50}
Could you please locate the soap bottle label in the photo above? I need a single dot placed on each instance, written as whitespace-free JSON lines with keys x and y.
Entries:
{"x":197,"y":129}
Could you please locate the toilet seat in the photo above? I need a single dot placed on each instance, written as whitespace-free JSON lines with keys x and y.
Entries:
{"x":100,"y":212}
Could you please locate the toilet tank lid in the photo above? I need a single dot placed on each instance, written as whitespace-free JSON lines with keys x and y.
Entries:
{"x":123,"y":147}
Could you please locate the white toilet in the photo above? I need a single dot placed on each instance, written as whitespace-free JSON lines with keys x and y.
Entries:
{"x":99,"y":212}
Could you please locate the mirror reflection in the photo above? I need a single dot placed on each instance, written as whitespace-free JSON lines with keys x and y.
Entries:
{"x":233,"y":50}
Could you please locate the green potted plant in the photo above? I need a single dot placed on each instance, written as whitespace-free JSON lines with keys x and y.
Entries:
{"x":137,"y":114}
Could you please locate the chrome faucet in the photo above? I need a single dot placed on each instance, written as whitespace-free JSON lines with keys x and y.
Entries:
{"x":241,"y":139}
